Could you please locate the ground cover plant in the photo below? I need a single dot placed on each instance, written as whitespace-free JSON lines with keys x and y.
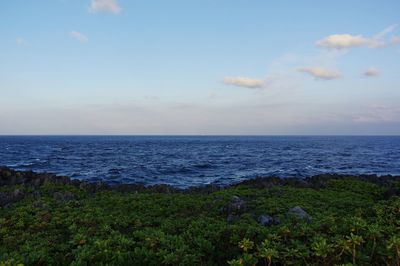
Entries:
{"x":324,"y":220}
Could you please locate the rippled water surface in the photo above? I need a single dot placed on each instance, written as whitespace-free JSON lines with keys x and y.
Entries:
{"x":196,"y":160}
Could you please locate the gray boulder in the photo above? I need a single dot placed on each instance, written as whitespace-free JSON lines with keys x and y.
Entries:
{"x":266,"y":220}
{"x":236,"y":206}
{"x":299,"y":213}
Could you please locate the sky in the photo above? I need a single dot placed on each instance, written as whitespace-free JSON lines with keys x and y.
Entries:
{"x":226,"y":67}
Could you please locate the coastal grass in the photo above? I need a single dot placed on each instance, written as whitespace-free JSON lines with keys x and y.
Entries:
{"x":352,"y":224}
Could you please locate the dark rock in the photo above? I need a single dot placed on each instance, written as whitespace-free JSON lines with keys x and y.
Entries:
{"x":7,"y":198}
{"x":235,"y":206}
{"x":208,"y":189}
{"x":17,"y":193}
{"x":126,"y":188}
{"x":60,"y":180}
{"x":297,"y":182}
{"x":75,"y":182}
{"x":299,"y":213}
{"x":261,"y":182}
{"x":93,"y":187}
{"x":9,"y":177}
{"x":5,"y":173}
{"x":37,"y":182}
{"x":64,"y":196}
{"x":266,"y":220}
{"x":47,"y":178}
{"x":162,"y":188}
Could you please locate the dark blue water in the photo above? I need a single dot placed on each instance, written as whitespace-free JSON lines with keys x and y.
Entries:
{"x":197,"y":160}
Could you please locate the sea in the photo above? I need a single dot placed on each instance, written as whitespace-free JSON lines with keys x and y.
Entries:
{"x":184,"y":161}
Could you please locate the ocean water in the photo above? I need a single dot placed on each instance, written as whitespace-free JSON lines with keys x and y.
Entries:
{"x":184,"y":161}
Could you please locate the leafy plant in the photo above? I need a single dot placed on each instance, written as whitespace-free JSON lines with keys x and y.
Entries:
{"x":351,"y":223}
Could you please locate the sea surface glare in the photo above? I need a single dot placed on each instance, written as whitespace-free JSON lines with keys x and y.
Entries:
{"x":184,"y":161}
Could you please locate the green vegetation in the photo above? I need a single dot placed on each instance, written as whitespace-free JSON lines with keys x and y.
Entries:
{"x":62,"y":224}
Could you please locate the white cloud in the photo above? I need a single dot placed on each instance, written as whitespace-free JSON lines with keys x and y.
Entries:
{"x":244,"y":82}
{"x":371,"y":72}
{"x":79,"y":36}
{"x":342,"y":41}
{"x":347,"y":41}
{"x":320,"y":73}
{"x":104,"y":6}
{"x":20,"y":41}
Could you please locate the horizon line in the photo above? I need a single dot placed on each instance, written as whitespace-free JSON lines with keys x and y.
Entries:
{"x":199,"y":135}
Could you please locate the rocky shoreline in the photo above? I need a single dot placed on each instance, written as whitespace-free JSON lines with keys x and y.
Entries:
{"x":47,"y":219}
{"x":10,"y":177}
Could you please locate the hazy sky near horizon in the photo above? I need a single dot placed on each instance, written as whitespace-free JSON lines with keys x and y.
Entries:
{"x":199,"y":67}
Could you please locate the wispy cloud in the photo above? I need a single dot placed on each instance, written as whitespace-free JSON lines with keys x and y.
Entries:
{"x":151,"y":98}
{"x":212,"y":95}
{"x":378,"y":113}
{"x":20,"y":41}
{"x":371,"y":72}
{"x":104,"y":6}
{"x":79,"y":36}
{"x":244,"y":82}
{"x":378,"y":40}
{"x":320,"y":73}
{"x":385,"y":32}
{"x":396,"y":40}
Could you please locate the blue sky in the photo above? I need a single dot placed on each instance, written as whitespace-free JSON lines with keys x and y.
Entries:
{"x":199,"y":67}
